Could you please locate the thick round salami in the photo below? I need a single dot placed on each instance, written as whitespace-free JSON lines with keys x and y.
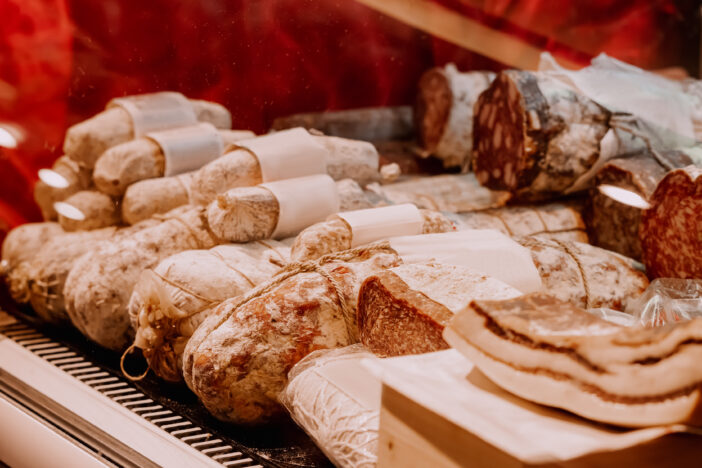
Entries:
{"x":614,"y":225}
{"x":444,"y":113}
{"x":670,"y":230}
{"x":171,"y":301}
{"x":404,"y":310}
{"x":237,"y":361}
{"x":533,"y":137}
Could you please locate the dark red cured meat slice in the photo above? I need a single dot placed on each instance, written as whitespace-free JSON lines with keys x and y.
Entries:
{"x":671,"y":230}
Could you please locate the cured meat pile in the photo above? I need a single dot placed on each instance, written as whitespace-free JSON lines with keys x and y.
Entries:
{"x":225,"y":258}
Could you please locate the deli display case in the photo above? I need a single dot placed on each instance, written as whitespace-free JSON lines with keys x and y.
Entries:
{"x":364,"y":233}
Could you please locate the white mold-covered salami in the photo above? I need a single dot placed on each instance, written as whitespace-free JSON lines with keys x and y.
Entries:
{"x":151,"y":197}
{"x":87,"y":140}
{"x":237,"y":361}
{"x":533,"y":137}
{"x":368,"y":124}
{"x":335,"y":234}
{"x":552,"y":221}
{"x":357,"y":160}
{"x":48,"y":269}
{"x":144,"y":158}
{"x":447,"y":192}
{"x":353,"y":159}
{"x":87,"y":209}
{"x":21,"y":245}
{"x":100,"y":283}
{"x":170,"y":301}
{"x":584,"y":275}
{"x":444,"y":113}
{"x":64,"y":179}
{"x":251,"y":213}
{"x":670,"y":230}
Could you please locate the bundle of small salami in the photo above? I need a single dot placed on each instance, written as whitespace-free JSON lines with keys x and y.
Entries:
{"x":99,"y":285}
{"x":141,"y":136}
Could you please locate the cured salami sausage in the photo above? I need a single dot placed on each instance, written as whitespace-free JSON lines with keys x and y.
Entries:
{"x":87,"y":140}
{"x":552,"y":221}
{"x":144,"y":158}
{"x":171,"y":301}
{"x":555,"y":221}
{"x":585,"y":275}
{"x":670,"y":230}
{"x":444,"y":113}
{"x":70,"y":178}
{"x":446,"y":192}
{"x":533,"y":137}
{"x":404,"y":310}
{"x":614,"y":225}
{"x":237,"y":361}
{"x":336,"y":234}
{"x":19,"y":247}
{"x":369,"y":124}
{"x":100,"y":283}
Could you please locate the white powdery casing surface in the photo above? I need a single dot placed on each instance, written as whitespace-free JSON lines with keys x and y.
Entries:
{"x":447,"y":192}
{"x":337,"y":402}
{"x":456,"y":142}
{"x":171,"y":301}
{"x":99,"y":285}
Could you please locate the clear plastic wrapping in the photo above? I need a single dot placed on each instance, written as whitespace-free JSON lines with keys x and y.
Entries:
{"x":337,"y":402}
{"x":668,"y":300}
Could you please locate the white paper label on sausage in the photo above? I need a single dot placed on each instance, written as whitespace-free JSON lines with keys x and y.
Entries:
{"x":188,"y":148}
{"x":374,"y":224}
{"x":287,"y":154}
{"x":156,"y":111}
{"x":485,"y":250}
{"x":302,"y":202}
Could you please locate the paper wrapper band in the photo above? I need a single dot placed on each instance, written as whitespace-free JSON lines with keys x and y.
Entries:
{"x":286,"y":154}
{"x":156,"y":111}
{"x":375,"y":224}
{"x":188,"y":148}
{"x":302,"y":202}
{"x":484,"y":250}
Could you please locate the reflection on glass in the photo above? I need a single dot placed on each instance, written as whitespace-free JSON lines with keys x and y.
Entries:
{"x":627,"y":197}
{"x":69,"y":211}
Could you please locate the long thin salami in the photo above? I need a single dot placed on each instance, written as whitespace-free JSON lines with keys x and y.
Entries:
{"x":553,"y":221}
{"x":670,"y":230}
{"x":444,"y":113}
{"x":369,"y":123}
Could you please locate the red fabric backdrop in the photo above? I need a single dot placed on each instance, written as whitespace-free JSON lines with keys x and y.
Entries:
{"x":61,"y":60}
